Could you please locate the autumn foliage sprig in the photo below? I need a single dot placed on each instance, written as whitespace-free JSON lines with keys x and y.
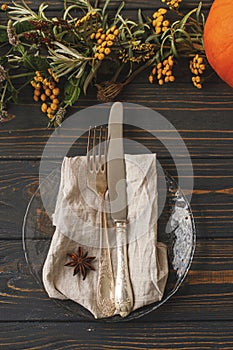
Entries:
{"x":62,"y":56}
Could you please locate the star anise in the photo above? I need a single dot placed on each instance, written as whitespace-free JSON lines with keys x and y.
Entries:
{"x":81,"y":262}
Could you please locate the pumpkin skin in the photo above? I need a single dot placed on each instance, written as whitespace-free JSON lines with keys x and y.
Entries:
{"x":218,"y":39}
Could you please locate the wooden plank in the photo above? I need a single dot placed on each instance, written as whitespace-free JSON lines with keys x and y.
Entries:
{"x":206,"y":293}
{"x":58,"y":4}
{"x":87,"y":336}
{"x":212,"y":199}
{"x":203,"y":118}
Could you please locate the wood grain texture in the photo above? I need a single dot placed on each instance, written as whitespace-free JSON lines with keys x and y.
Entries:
{"x":206,"y":293}
{"x":87,"y":336}
{"x":204,"y":120}
{"x":212,"y":199}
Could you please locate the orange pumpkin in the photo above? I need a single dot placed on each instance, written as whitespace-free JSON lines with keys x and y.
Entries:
{"x":218,"y":39}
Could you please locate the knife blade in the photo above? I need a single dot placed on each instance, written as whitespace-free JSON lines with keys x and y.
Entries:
{"x":116,"y":178}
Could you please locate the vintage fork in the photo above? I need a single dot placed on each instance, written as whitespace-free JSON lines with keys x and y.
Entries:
{"x":97,"y":182}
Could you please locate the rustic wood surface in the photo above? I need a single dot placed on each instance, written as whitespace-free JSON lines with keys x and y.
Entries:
{"x":200,"y":314}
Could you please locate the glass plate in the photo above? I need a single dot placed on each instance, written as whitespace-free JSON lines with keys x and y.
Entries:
{"x":176,"y":229}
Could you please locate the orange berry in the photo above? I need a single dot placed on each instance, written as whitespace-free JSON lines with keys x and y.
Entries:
{"x":151,"y":79}
{"x":4,"y":7}
{"x":35,"y":98}
{"x":92,"y":36}
{"x":50,"y":116}
{"x":116,"y":32}
{"x":99,"y":42}
{"x":44,"y":107}
{"x":103,"y":36}
{"x":112,"y":29}
{"x":53,"y":107}
{"x":111,"y":37}
{"x":52,"y":97}
{"x":43,"y":97}
{"x":107,"y":51}
{"x":98,"y":35}
{"x":100,"y":30}
{"x":56,"y":91}
{"x":171,"y":78}
{"x":51,"y":85}
{"x":55,"y":101}
{"x":48,"y":92}
{"x":101,"y":56}
{"x":160,"y":81}
{"x":49,"y":110}
{"x":104,"y":44}
{"x":37,"y":92}
{"x":109,"y":43}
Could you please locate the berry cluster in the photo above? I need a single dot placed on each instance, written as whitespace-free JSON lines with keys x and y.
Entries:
{"x":45,"y":90}
{"x":197,"y":67}
{"x":159,"y":23}
{"x":172,"y":4}
{"x":86,"y":18}
{"x":104,"y":41}
{"x":162,"y":72}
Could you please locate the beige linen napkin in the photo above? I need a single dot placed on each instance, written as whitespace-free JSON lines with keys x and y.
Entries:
{"x":76,"y":220}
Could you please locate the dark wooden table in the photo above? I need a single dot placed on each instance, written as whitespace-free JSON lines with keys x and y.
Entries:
{"x":200,"y":315}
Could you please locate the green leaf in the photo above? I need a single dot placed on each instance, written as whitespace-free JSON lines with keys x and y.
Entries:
{"x":3,"y":36}
{"x":140,"y":19}
{"x":36,"y":63}
{"x":119,"y":11}
{"x":106,"y":3}
{"x":72,"y":91}
{"x":22,"y":27}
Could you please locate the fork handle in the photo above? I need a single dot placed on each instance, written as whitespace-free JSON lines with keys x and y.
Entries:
{"x":105,"y":284}
{"x":123,"y":289}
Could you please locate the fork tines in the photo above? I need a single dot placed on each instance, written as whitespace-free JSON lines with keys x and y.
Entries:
{"x":97,"y":148}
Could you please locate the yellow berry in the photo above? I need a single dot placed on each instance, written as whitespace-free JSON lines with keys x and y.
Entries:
{"x":107,"y":51}
{"x":166,"y":23}
{"x":38,"y":74}
{"x":109,"y":43}
{"x":155,"y":15}
{"x":100,"y":30}
{"x":101,"y":56}
{"x":111,"y":37}
{"x":162,"y":11}
{"x":53,"y":107}
{"x":43,"y":97}
{"x":99,"y":41}
{"x":50,"y":116}
{"x":116,"y":32}
{"x":160,"y":81}
{"x":166,"y":79}
{"x":159,"y":65}
{"x":108,"y":31}
{"x":92,"y":36}
{"x":198,"y":79}
{"x":158,"y":30}
{"x":49,"y":110}
{"x":103,"y":36}
{"x":112,"y":29}
{"x":56,"y":91}
{"x":44,"y":107}
{"x":154,"y":71}
{"x":199,"y":86}
{"x":104,"y":43}
{"x":96,"y":55}
{"x":101,"y":50}
{"x":171,"y":78}
{"x":98,"y":35}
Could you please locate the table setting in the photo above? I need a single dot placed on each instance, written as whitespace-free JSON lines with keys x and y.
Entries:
{"x":116,"y":175}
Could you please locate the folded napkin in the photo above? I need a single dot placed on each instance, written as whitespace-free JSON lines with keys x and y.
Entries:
{"x":76,"y":219}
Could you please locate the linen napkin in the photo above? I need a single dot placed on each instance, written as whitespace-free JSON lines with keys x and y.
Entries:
{"x":76,"y":219}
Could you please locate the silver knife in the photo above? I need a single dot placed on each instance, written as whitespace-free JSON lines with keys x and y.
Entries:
{"x":116,"y":176}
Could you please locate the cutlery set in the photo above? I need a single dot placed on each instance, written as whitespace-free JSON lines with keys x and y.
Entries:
{"x":106,"y":177}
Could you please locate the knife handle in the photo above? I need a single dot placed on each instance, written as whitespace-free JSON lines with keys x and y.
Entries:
{"x":123,"y":288}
